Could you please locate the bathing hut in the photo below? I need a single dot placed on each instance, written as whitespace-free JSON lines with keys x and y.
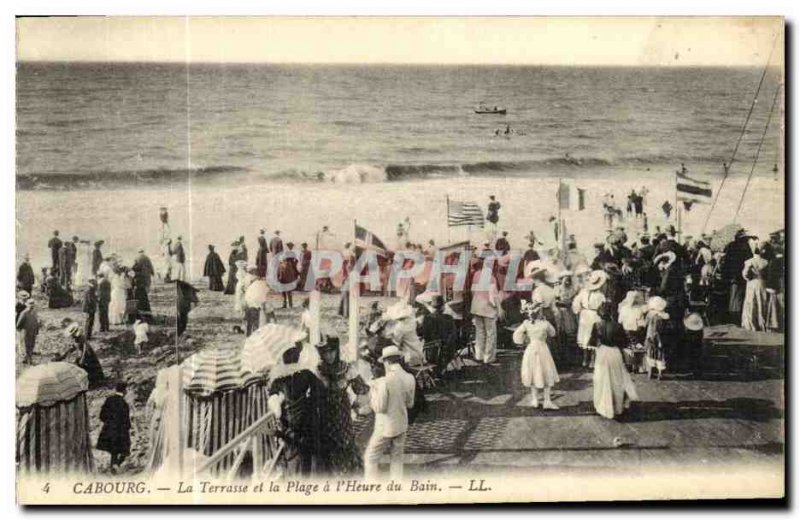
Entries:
{"x":53,"y":420}
{"x":221,"y":400}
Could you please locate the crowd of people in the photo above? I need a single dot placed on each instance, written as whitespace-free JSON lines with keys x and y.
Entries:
{"x":638,"y":305}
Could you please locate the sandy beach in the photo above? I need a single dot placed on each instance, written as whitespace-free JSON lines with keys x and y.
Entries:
{"x":219,"y":213}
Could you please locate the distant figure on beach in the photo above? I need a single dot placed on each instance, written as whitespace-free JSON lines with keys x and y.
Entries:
{"x":25,"y":277}
{"x":493,"y":215}
{"x":187,"y":297}
{"x":178,"y":260}
{"x":683,"y":170}
{"x":502,"y":244}
{"x":403,"y":233}
{"x":64,"y":268}
{"x":325,"y":239}
{"x":54,"y":244}
{"x":276,"y":244}
{"x":84,"y":263}
{"x":214,"y":269}
{"x":103,"y":300}
{"x":288,"y":273}
{"x":89,"y":308}
{"x":261,"y":255}
{"x":242,"y":249}
{"x":305,"y":265}
{"x":233,"y":268}
{"x":97,"y":256}
{"x":27,"y":329}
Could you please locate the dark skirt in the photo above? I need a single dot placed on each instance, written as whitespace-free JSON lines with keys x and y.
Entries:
{"x":215,"y":283}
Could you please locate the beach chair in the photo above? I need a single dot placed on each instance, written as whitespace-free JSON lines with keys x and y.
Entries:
{"x":425,"y":373}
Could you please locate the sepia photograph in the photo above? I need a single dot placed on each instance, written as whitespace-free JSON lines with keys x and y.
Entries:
{"x":399,"y":260}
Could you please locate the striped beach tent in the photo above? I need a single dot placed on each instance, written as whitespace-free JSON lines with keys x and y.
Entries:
{"x":265,"y":346}
{"x":53,"y":420}
{"x":221,"y":400}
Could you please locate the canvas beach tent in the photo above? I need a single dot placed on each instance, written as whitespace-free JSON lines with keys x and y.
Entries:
{"x":53,"y":420}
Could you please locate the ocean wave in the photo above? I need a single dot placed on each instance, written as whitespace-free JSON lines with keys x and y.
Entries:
{"x":355,"y":173}
{"x":114,"y":179}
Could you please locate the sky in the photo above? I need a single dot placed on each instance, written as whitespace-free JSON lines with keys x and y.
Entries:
{"x":684,"y":41}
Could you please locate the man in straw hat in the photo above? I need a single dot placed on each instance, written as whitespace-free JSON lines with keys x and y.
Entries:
{"x":485,"y":309}
{"x":390,"y":396}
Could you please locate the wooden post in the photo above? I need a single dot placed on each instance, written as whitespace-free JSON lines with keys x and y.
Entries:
{"x":313,"y":309}
{"x":174,"y":422}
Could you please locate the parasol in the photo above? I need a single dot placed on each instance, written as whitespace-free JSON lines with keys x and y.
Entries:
{"x":723,"y":237}
{"x":216,"y":369}
{"x":256,"y":293}
{"x":50,"y":383}
{"x":264,"y":348}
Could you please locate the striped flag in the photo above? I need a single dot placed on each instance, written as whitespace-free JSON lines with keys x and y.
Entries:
{"x":365,"y":239}
{"x":570,"y":196}
{"x":692,"y":190}
{"x":464,"y":214}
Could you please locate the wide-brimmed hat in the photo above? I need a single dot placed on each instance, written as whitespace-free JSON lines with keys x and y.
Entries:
{"x":565,"y":274}
{"x":657,"y":303}
{"x":328,"y":343}
{"x":596,"y":280}
{"x":530,"y":307}
{"x":73,"y":329}
{"x":390,"y":352}
{"x":23,"y":295}
{"x":455,"y":309}
{"x":398,"y":311}
{"x":693,"y":322}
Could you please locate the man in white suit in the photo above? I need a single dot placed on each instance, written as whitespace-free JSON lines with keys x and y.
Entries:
{"x":390,"y":396}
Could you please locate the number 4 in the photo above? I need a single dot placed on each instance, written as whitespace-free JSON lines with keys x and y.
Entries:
{"x":46,"y":488}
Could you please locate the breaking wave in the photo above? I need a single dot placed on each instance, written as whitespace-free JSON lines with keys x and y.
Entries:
{"x":355,"y":173}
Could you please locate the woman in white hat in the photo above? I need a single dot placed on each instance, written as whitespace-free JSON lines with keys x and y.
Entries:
{"x":86,"y":359}
{"x":538,"y":371}
{"x":613,"y":387}
{"x":657,"y":320}
{"x":544,"y":294}
{"x":631,"y":315}
{"x":585,"y":305}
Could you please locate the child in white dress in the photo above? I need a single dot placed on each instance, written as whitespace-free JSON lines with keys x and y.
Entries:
{"x":140,"y":330}
{"x":538,"y":368}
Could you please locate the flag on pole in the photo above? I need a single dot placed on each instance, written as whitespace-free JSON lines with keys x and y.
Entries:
{"x":571,"y":196}
{"x":692,"y":190}
{"x":365,"y":239}
{"x":465,"y":213}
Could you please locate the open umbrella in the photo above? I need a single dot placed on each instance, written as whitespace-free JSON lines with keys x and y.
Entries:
{"x":50,"y":383}
{"x":256,"y":293}
{"x":265,"y":346}
{"x":215,"y":369}
{"x":723,"y":237}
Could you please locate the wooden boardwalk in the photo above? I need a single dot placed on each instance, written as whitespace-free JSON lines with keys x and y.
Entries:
{"x":479,"y":417}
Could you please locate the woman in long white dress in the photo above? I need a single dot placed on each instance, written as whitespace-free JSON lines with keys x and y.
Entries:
{"x":585,"y":305}
{"x":538,"y":371}
{"x":84,"y":267}
{"x":755,"y":308}
{"x":116,"y":307}
{"x":613,"y":387}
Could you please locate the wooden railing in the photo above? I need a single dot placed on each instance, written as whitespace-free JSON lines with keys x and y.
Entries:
{"x":260,"y":439}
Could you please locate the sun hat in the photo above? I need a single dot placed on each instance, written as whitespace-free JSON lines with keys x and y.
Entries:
{"x":328,"y":343}
{"x":73,"y":329}
{"x":596,"y":280}
{"x":390,"y":352}
{"x":24,"y":295}
{"x":657,"y":303}
{"x":398,"y":311}
{"x":693,"y":322}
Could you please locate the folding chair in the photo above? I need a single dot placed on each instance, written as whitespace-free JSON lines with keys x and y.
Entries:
{"x":425,"y":372}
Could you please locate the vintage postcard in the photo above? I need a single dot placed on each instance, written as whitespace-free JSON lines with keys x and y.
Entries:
{"x":266,"y":260}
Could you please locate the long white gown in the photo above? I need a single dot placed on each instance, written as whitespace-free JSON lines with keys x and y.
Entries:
{"x":116,"y":308}
{"x":84,"y":265}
